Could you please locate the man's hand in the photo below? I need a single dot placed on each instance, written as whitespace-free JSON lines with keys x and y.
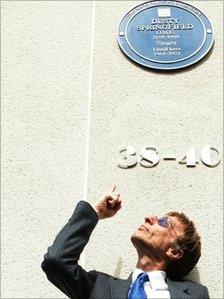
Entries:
{"x":108,"y":204}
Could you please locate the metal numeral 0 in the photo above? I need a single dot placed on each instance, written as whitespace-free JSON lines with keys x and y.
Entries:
{"x":206,"y":156}
{"x":148,"y":157}
{"x":129,"y":159}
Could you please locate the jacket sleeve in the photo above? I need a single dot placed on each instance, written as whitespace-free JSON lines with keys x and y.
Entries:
{"x":61,"y":260}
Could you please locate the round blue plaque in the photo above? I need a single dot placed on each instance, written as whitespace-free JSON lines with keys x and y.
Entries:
{"x":165,"y":35}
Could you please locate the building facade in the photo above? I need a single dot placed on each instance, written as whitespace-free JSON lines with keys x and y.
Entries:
{"x":71,"y":101}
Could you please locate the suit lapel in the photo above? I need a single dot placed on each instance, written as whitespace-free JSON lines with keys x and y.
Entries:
{"x":178,"y":290}
{"x":120,"y":288}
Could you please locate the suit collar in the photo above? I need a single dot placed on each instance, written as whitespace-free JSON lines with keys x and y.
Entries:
{"x":178,"y":289}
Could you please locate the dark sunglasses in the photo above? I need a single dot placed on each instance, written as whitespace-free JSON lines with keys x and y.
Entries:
{"x":164,"y":221}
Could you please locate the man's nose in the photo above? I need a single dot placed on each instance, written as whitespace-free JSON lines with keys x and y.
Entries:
{"x":151,"y":219}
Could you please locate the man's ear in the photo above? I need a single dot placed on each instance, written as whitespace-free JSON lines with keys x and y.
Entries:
{"x":174,"y":253}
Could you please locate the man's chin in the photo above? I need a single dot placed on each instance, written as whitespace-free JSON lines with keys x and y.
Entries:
{"x":138,"y":238}
{"x":144,"y":246}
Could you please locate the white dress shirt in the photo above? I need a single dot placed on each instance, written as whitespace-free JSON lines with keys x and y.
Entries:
{"x":156,"y":287}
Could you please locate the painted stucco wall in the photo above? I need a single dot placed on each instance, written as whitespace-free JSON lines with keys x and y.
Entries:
{"x":48,"y":67}
{"x":45,"y":78}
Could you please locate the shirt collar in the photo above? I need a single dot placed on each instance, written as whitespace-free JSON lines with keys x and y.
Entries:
{"x":156,"y":278}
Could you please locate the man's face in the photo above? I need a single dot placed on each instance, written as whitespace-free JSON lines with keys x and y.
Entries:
{"x":157,"y":234}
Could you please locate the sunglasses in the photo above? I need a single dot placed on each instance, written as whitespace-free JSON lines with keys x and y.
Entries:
{"x":164,"y":221}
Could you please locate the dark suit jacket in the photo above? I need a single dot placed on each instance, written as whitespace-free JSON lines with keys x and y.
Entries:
{"x":62,"y":269}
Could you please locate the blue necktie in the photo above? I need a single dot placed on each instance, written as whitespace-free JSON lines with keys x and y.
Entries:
{"x":137,"y":289}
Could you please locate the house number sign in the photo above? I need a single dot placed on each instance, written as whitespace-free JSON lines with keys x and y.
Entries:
{"x":149,"y":157}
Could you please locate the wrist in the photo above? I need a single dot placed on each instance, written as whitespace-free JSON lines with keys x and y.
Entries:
{"x":97,"y":212}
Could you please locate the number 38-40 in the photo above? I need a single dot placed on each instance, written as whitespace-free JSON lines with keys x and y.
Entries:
{"x":149,"y":157}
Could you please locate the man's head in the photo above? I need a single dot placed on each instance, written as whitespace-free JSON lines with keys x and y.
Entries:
{"x":171,"y":241}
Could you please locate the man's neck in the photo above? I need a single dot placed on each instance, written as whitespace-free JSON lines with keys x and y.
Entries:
{"x":146,"y":264}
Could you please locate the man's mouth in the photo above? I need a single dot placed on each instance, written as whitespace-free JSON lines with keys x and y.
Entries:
{"x":143,"y":227}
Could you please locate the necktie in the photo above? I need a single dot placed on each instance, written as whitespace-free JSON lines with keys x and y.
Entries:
{"x":137,"y":289}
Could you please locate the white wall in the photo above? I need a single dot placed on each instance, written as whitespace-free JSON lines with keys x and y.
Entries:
{"x":46,"y":63}
{"x":45,"y":82}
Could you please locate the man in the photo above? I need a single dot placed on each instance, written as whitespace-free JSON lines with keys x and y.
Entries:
{"x":168,"y":248}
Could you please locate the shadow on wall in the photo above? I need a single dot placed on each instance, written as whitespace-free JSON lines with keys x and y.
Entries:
{"x":117,"y":271}
{"x":192,"y":276}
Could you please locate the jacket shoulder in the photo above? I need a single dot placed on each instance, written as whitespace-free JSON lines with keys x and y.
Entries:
{"x":191,"y":288}
{"x":199,"y":288}
{"x":194,"y":284}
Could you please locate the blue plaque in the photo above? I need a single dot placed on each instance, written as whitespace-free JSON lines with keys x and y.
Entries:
{"x":165,"y":35}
